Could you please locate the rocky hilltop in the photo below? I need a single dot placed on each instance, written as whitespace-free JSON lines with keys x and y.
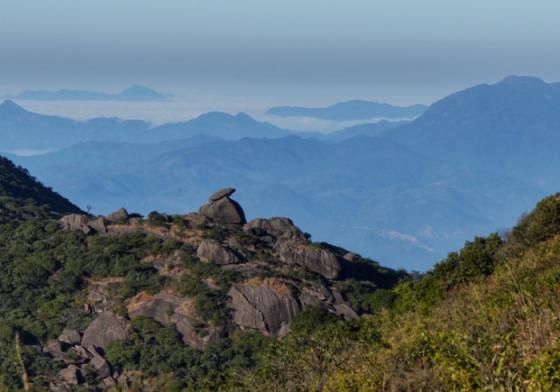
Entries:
{"x":203,"y":277}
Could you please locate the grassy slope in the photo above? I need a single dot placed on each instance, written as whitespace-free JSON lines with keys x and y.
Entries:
{"x":487,"y":318}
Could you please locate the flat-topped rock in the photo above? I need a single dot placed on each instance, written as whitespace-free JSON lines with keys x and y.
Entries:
{"x":226,"y":192}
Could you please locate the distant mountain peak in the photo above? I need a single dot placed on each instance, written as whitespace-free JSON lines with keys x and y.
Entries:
{"x":141,"y":93}
{"x":522,"y":80}
{"x":350,"y":110}
{"x":135,"y":92}
{"x":10,"y":107}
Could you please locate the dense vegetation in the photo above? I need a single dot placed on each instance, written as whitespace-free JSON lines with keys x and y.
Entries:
{"x":21,"y":196}
{"x":486,"y":318}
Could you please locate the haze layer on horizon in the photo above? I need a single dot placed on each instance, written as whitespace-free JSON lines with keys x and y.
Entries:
{"x":290,"y":51}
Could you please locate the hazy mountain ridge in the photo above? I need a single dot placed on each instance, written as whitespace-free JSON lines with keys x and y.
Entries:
{"x":134,"y":93}
{"x":22,"y":129}
{"x":351,"y":110}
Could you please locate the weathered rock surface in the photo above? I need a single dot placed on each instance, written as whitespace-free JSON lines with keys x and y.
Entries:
{"x":70,"y":336}
{"x":159,"y":307}
{"x":311,"y":257}
{"x":169,"y":309}
{"x":99,"y":225}
{"x":118,"y":216}
{"x":76,"y":222}
{"x":69,"y":375}
{"x":279,"y":228}
{"x":212,"y":251}
{"x":98,"y":364}
{"x":222,"y":209}
{"x":266,"y":306}
{"x":106,"y":328}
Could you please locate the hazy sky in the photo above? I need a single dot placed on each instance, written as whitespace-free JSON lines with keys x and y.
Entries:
{"x":288,"y":51}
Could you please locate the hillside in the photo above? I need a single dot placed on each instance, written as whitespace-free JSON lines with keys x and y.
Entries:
{"x":208,"y":301}
{"x":166,"y":302}
{"x":21,"y":196}
{"x":486,"y":318}
{"x":23,"y":130}
{"x":134,"y":93}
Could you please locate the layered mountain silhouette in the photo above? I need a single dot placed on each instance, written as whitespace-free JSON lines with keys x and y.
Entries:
{"x":22,"y":129}
{"x":134,"y":93}
{"x":350,"y":110}
{"x":407,"y":196}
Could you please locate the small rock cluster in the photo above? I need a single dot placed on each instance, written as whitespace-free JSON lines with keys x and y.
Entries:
{"x":83,"y":354}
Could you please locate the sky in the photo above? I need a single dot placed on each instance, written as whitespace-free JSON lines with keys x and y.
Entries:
{"x":267,"y":52}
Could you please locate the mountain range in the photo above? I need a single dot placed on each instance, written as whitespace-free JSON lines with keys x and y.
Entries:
{"x":22,"y":129}
{"x":350,"y":110}
{"x":134,"y":93}
{"x":404,"y":193}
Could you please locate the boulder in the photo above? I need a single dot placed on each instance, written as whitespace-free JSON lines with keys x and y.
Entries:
{"x":195,"y":337}
{"x":159,"y":307}
{"x":310,"y":256}
{"x":280,"y":228}
{"x":194,"y":219}
{"x":106,"y":328}
{"x":76,"y":222}
{"x":223,"y":210}
{"x":226,"y":192}
{"x":346,"y":311}
{"x":268,"y":307}
{"x":99,"y":225}
{"x":118,"y":216}
{"x":70,"y":336}
{"x":54,"y":349}
{"x":212,"y":251}
{"x":98,"y":364}
{"x":70,"y":375}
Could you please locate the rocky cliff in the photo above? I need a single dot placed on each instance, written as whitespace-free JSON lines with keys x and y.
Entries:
{"x":203,"y":277}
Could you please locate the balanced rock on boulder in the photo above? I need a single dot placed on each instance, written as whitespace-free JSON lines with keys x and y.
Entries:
{"x":222,"y":209}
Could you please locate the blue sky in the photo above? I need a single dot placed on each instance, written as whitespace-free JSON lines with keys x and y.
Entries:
{"x":303,"y":51}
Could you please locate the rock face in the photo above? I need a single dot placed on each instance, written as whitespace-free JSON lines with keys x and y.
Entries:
{"x":222,"y":209}
{"x":169,"y":309}
{"x":311,"y":257}
{"x":106,"y":328}
{"x":212,"y":251}
{"x":76,"y":222}
{"x":99,"y":225}
{"x":268,"y":307}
